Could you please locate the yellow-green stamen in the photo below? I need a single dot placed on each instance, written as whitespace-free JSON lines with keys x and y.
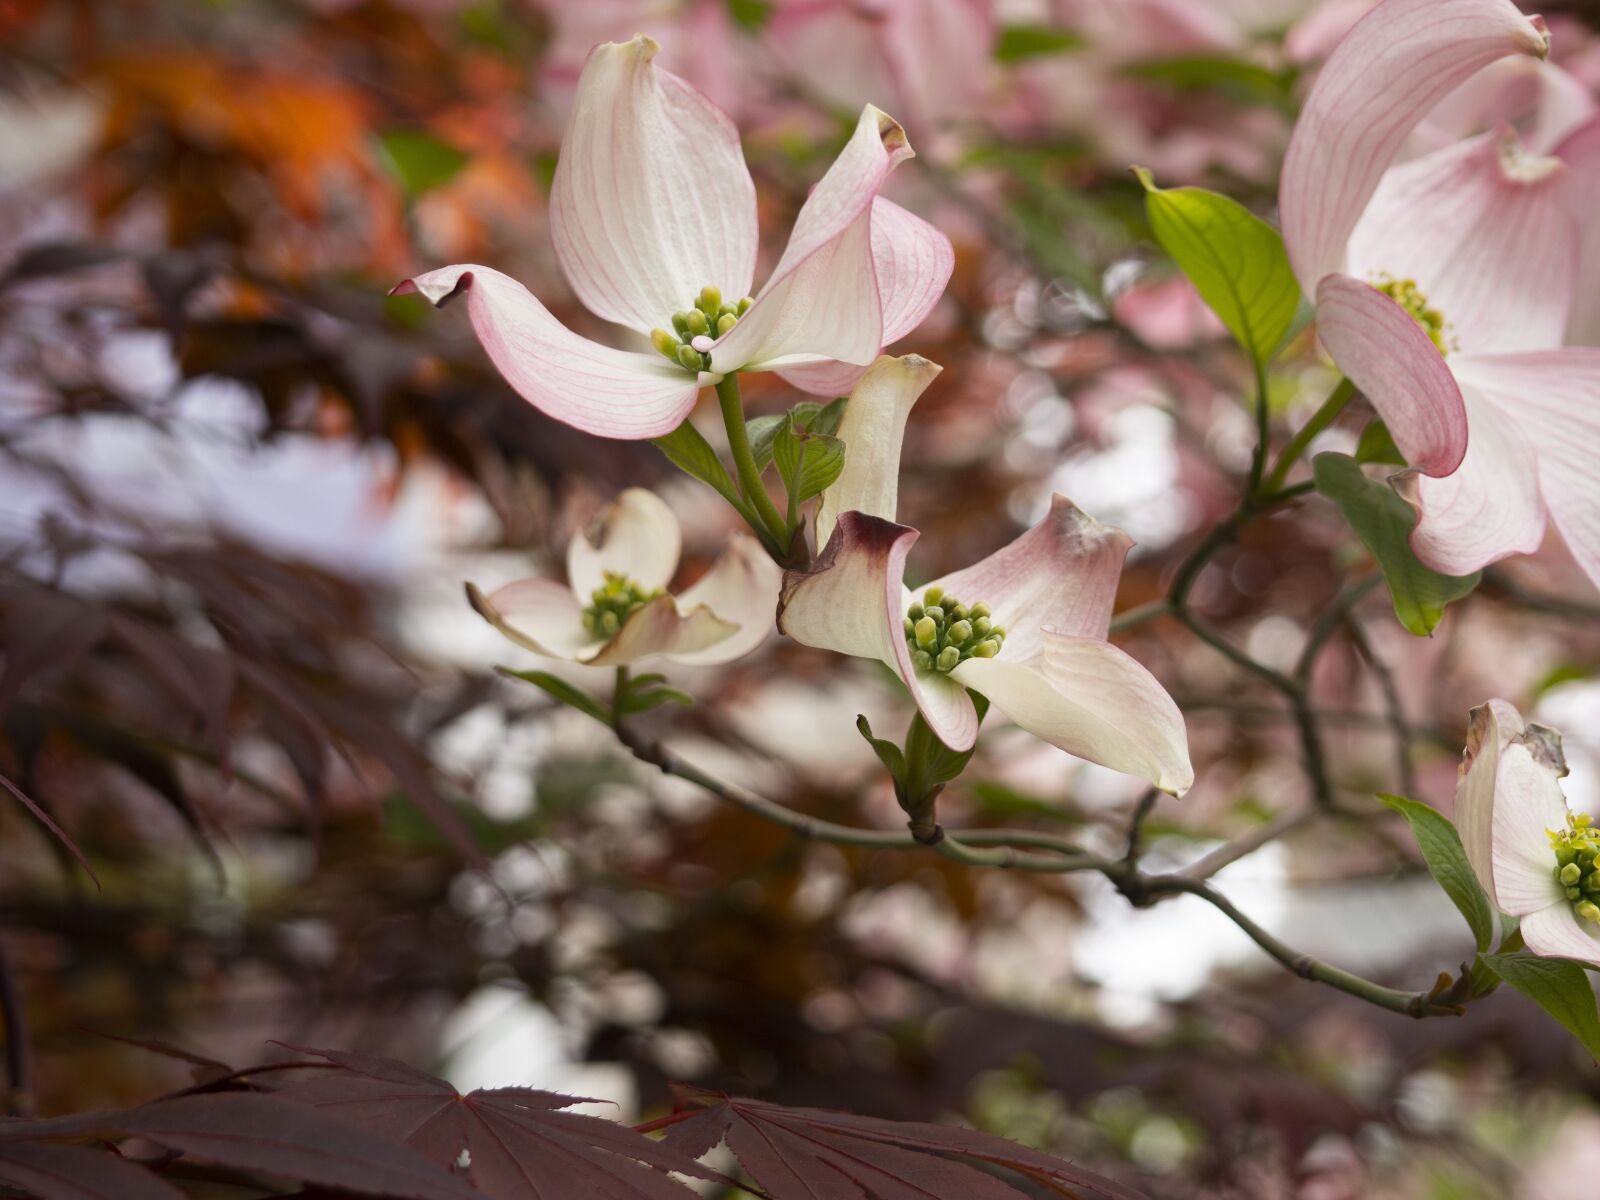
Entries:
{"x":1577,"y":847}
{"x":1410,"y":297}
{"x":709,"y":317}
{"x":612,"y":603}
{"x":943,"y":633}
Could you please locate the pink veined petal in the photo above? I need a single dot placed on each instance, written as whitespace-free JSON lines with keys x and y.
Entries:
{"x":1061,"y":574}
{"x":1552,"y":399}
{"x":537,"y":614}
{"x":742,"y":588}
{"x":1490,"y":507}
{"x":940,"y":56}
{"x":872,"y":430}
{"x":658,"y":630}
{"x":1395,"y":64}
{"x":1388,"y":356}
{"x":1558,"y":932}
{"x":913,"y":261}
{"x":600,"y":390}
{"x":1528,"y":805}
{"x":635,"y":536}
{"x":1493,"y":724}
{"x":827,"y":377}
{"x":1581,"y":152}
{"x":652,"y":199}
{"x":1488,"y":234}
{"x":1532,"y":94}
{"x":1091,"y":699}
{"x":823,"y":299}
{"x":852,"y":601}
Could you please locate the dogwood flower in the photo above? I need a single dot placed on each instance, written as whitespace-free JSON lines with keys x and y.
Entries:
{"x":1026,"y":627}
{"x":932,"y":59}
{"x":1535,"y":858}
{"x":1444,"y":285}
{"x":614,"y":608}
{"x":653,"y":215}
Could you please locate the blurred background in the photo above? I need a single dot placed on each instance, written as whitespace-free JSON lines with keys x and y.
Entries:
{"x":240,"y":491}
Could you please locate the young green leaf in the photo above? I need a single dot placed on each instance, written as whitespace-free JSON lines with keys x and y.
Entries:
{"x":1559,"y":987}
{"x":1383,"y":522}
{"x":762,"y":431}
{"x":419,"y":160}
{"x":563,"y":691}
{"x":807,"y":463}
{"x":1377,"y":446}
{"x":1447,"y":862}
{"x":888,"y":753}
{"x":1018,"y":42}
{"x":1234,"y":259}
{"x":687,"y":449}
{"x":828,"y":416}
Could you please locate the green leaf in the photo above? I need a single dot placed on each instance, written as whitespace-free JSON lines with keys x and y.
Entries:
{"x":750,"y":14}
{"x":1017,"y":42}
{"x":1383,"y":522}
{"x":1234,"y":259}
{"x":687,"y":449}
{"x":1377,"y":446}
{"x":1559,"y":987}
{"x":762,"y":431}
{"x":828,"y":417}
{"x":1243,"y":81}
{"x":936,"y":762}
{"x":562,"y":691}
{"x":888,"y":753}
{"x":1447,"y":862}
{"x":419,"y":160}
{"x":807,"y":463}
{"x":637,"y":699}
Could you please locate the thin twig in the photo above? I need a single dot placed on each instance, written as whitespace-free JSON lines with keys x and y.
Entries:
{"x":1141,"y":813}
{"x":19,"y":1055}
{"x":1405,"y":765}
{"x":1248,"y":843}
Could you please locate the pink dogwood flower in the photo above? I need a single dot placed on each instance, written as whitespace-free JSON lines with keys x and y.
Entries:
{"x":1026,"y":627}
{"x":933,"y":58}
{"x":614,"y":608}
{"x":1535,"y":858}
{"x":1444,"y":285}
{"x":653,"y":214}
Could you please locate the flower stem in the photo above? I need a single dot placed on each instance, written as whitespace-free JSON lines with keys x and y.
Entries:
{"x":744,"y":461}
{"x":1320,"y":420}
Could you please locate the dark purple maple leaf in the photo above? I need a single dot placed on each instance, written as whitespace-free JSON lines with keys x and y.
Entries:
{"x":512,"y":1143}
{"x":248,"y":1132}
{"x":814,"y":1154}
{"x":78,"y":1173}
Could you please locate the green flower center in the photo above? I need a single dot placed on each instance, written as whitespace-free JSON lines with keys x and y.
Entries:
{"x":709,"y":318}
{"x":612,"y":603}
{"x":1576,"y":848}
{"x":1410,"y":297}
{"x":943,"y":632}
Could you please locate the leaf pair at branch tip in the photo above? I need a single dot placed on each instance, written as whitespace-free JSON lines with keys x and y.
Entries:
{"x":641,"y":693}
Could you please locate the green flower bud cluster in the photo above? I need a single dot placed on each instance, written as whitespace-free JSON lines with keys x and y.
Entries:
{"x":612,"y":603}
{"x":1577,"y":848}
{"x":943,"y":632}
{"x":1409,"y":296}
{"x":709,"y":317}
